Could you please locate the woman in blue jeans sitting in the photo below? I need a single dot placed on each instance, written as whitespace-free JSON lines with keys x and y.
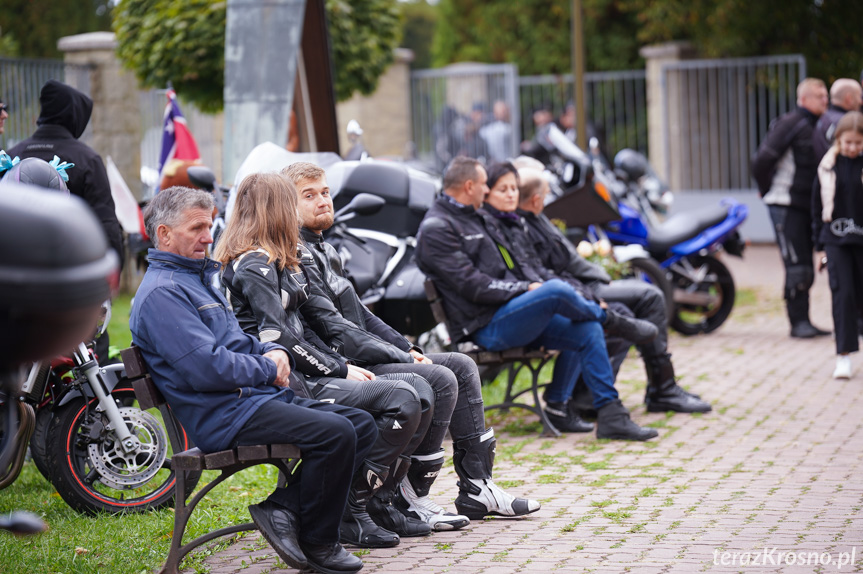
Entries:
{"x":495,"y":298}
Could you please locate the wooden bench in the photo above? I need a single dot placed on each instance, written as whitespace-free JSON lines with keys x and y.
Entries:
{"x":189,"y":465}
{"x":514,"y":361}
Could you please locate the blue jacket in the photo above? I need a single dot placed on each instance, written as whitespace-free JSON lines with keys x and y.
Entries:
{"x":211,"y":373}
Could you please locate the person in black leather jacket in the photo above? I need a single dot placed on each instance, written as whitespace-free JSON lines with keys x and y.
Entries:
{"x":266,"y":285}
{"x":784,"y":168}
{"x":558,"y":255}
{"x":336,"y":313}
{"x":490,"y":298}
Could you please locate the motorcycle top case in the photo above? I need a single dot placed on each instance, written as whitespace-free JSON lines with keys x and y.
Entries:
{"x":408,"y":196}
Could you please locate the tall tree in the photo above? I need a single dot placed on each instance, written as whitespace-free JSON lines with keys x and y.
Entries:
{"x":184,"y":43}
{"x":419,"y":20}
{"x":535,"y":34}
{"x":34,"y":26}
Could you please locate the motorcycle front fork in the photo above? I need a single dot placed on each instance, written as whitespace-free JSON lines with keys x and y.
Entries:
{"x":90,"y":368}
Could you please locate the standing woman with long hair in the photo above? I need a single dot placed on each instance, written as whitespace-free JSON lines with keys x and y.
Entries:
{"x":837,"y":221}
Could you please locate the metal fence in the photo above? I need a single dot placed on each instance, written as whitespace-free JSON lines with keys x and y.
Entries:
{"x":616,"y":105}
{"x":716,"y":112}
{"x":452,"y":106}
{"x":21,"y":81}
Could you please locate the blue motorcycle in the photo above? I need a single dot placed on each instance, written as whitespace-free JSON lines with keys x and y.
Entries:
{"x":684,"y":245}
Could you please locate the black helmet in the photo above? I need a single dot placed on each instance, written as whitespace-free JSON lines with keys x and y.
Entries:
{"x":38,"y":172}
{"x":632,"y":163}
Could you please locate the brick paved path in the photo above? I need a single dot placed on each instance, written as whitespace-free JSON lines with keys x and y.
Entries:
{"x":777,"y":464}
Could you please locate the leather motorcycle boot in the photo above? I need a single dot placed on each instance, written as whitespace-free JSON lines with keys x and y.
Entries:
{"x":564,"y":420}
{"x":806,"y":330}
{"x":331,"y":558}
{"x":613,"y":422}
{"x":357,"y":527}
{"x":412,"y":497}
{"x":664,"y":394}
{"x":638,"y":331}
{"x":478,"y":495}
{"x":798,"y":316}
{"x":384,"y":514}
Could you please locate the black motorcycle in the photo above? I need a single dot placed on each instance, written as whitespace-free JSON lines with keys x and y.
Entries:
{"x":377,"y":245}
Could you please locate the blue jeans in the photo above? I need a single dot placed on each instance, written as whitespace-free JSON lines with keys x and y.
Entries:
{"x":551,"y":317}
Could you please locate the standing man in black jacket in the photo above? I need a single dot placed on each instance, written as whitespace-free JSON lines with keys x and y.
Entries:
{"x":784,"y":168}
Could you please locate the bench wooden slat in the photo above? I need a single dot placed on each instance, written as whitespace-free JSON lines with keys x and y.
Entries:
{"x":284,"y":451}
{"x":192,"y":459}
{"x":221,"y":459}
{"x":252,"y":452}
{"x":147,"y":393}
{"x":133,"y":362}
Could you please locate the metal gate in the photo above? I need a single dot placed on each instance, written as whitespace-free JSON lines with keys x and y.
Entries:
{"x":452,"y":105}
{"x":616,"y":105}
{"x":716,"y":112}
{"x":21,"y":80}
{"x":453,"y":112}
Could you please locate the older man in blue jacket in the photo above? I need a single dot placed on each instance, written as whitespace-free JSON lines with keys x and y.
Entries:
{"x":229,"y":389}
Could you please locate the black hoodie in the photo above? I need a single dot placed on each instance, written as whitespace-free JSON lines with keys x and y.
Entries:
{"x":63,"y":118}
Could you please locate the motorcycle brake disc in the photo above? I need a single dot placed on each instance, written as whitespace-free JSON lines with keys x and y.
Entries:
{"x":128,"y":470}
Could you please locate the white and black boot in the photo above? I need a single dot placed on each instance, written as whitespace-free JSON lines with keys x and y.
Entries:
{"x":412,"y":497}
{"x":478,"y":495}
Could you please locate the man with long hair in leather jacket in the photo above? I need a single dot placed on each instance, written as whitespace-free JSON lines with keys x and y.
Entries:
{"x":338,"y":316}
{"x":265,"y":280}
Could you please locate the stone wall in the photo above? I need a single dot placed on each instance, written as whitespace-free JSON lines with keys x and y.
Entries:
{"x":385,"y":116}
{"x":116,"y":121}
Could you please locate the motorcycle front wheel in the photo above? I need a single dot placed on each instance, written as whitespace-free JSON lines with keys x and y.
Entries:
{"x":92,"y":472}
{"x":703,"y":294}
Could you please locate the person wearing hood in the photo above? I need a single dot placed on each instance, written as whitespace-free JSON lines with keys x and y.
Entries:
{"x":65,"y":113}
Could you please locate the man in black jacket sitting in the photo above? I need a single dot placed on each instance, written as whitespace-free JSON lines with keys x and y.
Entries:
{"x":490,"y":299}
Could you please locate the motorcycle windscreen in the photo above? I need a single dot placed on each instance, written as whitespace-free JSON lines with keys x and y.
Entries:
{"x":582,"y":207}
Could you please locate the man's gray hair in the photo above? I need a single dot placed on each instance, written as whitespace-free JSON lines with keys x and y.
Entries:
{"x":169,"y":205}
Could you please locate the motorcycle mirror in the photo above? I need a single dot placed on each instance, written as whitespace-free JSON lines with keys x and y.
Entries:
{"x":593,"y":145}
{"x":202,"y":177}
{"x":361,"y":204}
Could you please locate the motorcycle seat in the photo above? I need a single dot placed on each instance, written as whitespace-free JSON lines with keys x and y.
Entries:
{"x":682,"y":226}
